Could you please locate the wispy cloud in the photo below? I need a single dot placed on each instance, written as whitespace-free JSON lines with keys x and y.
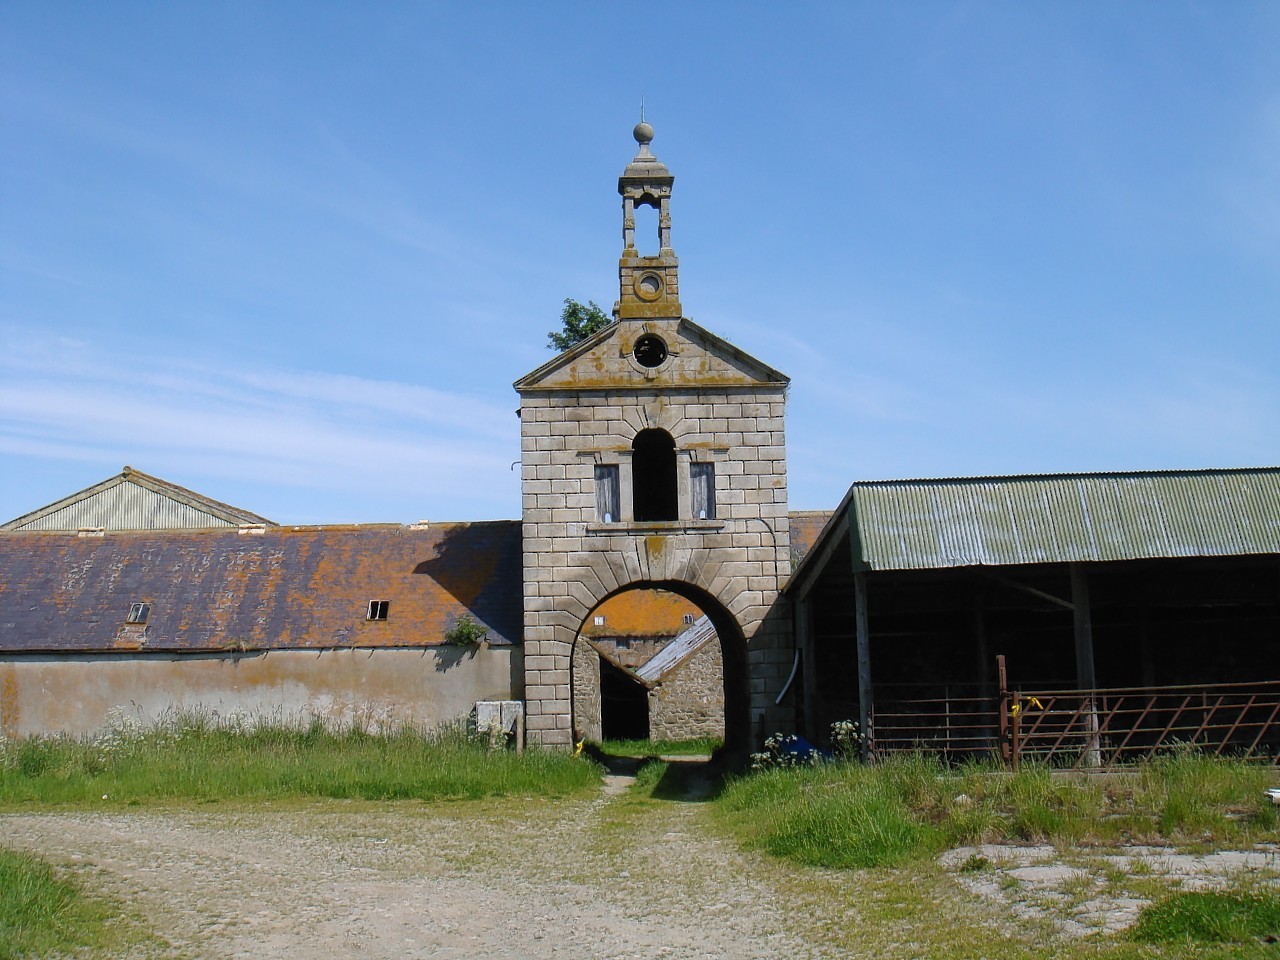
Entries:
{"x":307,"y":429}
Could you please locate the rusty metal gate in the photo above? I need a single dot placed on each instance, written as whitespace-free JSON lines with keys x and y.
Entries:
{"x":1085,"y":728}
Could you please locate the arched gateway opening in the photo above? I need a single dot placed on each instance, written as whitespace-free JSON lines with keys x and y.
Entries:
{"x":662,"y":661}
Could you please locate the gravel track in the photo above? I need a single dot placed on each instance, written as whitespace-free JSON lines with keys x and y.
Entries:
{"x":527,"y":879}
{"x":606,"y":877}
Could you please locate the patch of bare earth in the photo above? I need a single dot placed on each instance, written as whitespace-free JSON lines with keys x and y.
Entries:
{"x":1101,"y":890}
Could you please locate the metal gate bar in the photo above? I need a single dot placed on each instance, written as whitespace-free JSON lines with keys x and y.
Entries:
{"x":1085,"y":728}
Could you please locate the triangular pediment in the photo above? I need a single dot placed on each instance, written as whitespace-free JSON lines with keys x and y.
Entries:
{"x":695,"y":358}
{"x":133,"y":500}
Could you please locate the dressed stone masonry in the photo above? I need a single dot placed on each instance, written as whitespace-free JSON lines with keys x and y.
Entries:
{"x":653,"y":455}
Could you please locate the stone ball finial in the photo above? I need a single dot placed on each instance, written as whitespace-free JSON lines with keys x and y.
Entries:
{"x":643,"y":132}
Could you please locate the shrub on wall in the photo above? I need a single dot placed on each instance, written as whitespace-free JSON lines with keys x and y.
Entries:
{"x":465,"y":632}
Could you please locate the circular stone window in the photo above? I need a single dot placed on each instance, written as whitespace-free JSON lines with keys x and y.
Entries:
{"x":650,"y":350}
{"x":648,"y":286}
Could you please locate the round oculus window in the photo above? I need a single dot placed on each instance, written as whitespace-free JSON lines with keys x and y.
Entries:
{"x":650,"y":350}
{"x":648,"y":286}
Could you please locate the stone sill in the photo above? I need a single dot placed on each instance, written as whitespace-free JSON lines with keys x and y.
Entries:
{"x":636,"y":527}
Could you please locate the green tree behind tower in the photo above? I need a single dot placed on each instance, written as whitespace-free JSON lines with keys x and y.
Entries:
{"x":577,"y":323}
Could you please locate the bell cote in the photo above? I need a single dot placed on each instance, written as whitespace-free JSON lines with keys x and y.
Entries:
{"x":648,"y":285}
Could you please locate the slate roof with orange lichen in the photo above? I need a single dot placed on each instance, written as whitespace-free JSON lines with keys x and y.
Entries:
{"x":641,"y":613}
{"x":299,"y":587}
{"x":280,"y":587}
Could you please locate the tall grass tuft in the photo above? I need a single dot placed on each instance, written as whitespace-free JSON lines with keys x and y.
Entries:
{"x":848,"y":815}
{"x":1034,"y":804}
{"x":650,"y":774}
{"x":835,"y":815}
{"x":867,"y":827}
{"x":1210,"y":917}
{"x":200,"y":757}
{"x":43,"y":915}
{"x":1195,"y":794}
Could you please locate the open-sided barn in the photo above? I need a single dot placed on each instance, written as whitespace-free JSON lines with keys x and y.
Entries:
{"x":1117,"y":581}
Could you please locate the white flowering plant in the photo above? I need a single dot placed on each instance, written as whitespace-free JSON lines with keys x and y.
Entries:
{"x":846,"y":739}
{"x":783,"y":750}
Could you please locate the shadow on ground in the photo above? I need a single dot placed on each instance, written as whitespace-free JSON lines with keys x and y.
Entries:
{"x":684,"y":779}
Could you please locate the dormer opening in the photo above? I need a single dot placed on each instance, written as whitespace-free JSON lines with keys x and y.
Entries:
{"x":653,"y":476}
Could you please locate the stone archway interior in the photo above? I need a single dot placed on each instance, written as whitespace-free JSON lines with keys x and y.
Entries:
{"x":648,"y":664}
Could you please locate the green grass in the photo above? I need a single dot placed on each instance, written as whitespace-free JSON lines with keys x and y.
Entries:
{"x":700,"y":746}
{"x":43,"y":914}
{"x":1210,"y":917}
{"x":199,"y":759}
{"x":849,"y":815}
{"x":1197,"y":794}
{"x":650,"y":775}
{"x":834,"y":815}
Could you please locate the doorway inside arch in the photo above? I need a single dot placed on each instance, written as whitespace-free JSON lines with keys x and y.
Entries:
{"x":651,"y":663}
{"x":624,"y":704}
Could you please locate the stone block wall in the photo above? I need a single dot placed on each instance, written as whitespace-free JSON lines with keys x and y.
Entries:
{"x":689,"y":702}
{"x":732,"y":564}
{"x":586,"y":693}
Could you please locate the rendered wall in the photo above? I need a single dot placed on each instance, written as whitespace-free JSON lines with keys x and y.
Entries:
{"x":75,"y":693}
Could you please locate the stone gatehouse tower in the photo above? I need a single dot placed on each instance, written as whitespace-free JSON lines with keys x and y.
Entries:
{"x":653,"y":455}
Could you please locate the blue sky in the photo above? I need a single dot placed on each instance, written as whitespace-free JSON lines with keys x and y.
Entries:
{"x":294,"y":255}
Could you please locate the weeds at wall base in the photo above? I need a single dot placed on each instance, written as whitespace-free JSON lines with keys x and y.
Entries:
{"x":699,"y":746}
{"x":200,"y":757}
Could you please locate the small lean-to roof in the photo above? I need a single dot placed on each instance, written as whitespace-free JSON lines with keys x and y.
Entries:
{"x":678,"y":651}
{"x":273,"y":588}
{"x":133,"y":500}
{"x":1062,"y":518}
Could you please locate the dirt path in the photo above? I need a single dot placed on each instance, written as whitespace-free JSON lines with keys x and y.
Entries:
{"x":525,"y":879}
{"x":610,"y":877}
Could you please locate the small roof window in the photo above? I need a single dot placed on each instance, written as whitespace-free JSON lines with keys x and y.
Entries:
{"x":378,"y":609}
{"x":138,"y":613}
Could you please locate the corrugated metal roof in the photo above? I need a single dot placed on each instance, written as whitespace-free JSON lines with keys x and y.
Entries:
{"x":928,"y":524}
{"x":133,"y":500}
